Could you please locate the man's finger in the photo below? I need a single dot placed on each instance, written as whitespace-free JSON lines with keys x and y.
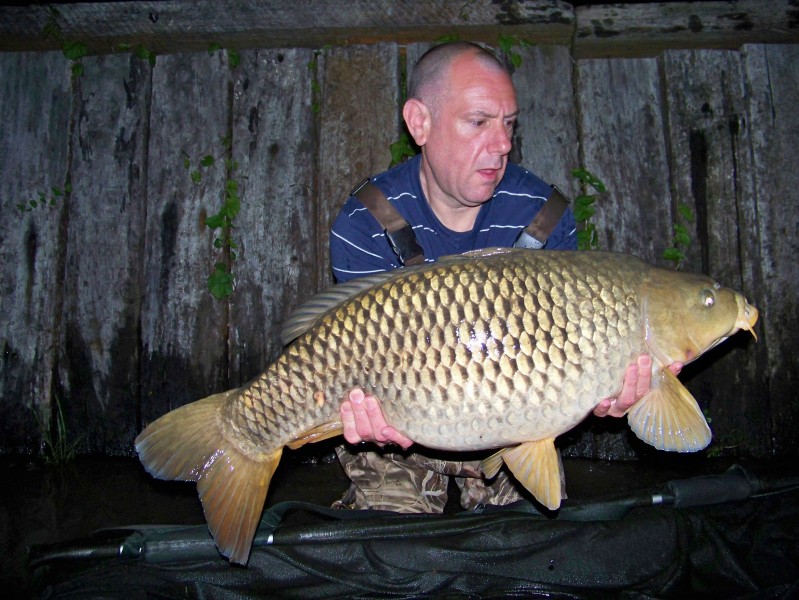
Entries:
{"x":644,"y":377}
{"x":348,"y":422}
{"x":601,"y":409}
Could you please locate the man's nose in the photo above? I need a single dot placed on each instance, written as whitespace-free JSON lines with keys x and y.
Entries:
{"x":501,"y":141}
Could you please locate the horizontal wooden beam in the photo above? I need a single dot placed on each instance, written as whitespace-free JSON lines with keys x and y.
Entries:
{"x":171,"y":26}
{"x":638,"y":29}
{"x":648,"y":29}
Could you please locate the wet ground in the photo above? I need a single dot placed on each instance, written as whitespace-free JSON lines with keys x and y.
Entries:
{"x":44,"y":504}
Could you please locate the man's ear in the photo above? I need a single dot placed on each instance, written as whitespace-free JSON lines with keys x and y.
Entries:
{"x":417,"y":119}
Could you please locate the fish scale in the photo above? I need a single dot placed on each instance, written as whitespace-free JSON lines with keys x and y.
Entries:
{"x":493,"y":349}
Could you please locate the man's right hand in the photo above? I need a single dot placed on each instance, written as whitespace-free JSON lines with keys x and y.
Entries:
{"x":363,"y":421}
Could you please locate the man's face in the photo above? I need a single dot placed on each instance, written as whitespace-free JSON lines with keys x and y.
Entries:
{"x":467,"y":146}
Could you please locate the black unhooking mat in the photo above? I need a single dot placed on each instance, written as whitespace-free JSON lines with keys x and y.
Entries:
{"x":728,"y":536}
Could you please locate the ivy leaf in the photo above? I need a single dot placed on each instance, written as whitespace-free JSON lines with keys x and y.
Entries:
{"x":207,"y":160}
{"x":686,"y":212}
{"x":196,"y":176}
{"x":213,"y":47}
{"x":401,"y":149}
{"x":505,"y":43}
{"x":220,"y":282}
{"x":673,"y":254}
{"x":215,"y":221}
{"x":583,"y":212}
{"x":234,"y":58}
{"x":589,"y":178}
{"x":75,"y":50}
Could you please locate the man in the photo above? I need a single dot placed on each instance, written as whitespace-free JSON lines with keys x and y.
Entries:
{"x":459,"y":194}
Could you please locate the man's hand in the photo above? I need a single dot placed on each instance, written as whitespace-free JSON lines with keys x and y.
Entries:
{"x":363,"y":421}
{"x":637,"y":380}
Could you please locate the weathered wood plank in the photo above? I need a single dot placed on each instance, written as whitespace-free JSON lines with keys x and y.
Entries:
{"x":772,"y":84}
{"x":546,"y":138}
{"x":99,"y":347}
{"x":710,"y":153}
{"x":184,"y":328}
{"x":273,"y":144}
{"x":646,"y":29}
{"x":171,"y":26}
{"x":34,"y":138}
{"x":359,"y":119}
{"x":621,"y":126}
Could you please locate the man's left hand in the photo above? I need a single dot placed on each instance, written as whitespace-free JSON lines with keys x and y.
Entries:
{"x":637,"y":381}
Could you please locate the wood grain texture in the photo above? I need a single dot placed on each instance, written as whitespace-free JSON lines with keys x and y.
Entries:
{"x":646,"y":29}
{"x":169,"y":26}
{"x":772,"y":85}
{"x":272,"y":129}
{"x":546,"y":137}
{"x":99,"y":354}
{"x":184,"y":328}
{"x":621,"y":129}
{"x":359,"y":119}
{"x":34,"y":154}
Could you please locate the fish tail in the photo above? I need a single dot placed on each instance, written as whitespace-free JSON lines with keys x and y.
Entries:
{"x":188,"y":444}
{"x":669,"y":418}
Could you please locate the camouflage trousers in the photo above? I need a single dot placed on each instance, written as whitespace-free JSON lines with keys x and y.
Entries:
{"x":413,"y":483}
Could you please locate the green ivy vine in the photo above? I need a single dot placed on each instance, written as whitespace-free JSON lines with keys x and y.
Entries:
{"x":221,"y":281}
{"x":584,"y":208}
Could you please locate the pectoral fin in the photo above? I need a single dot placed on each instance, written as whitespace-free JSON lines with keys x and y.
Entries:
{"x":317,"y":434}
{"x":669,"y":418}
{"x":537,"y":466}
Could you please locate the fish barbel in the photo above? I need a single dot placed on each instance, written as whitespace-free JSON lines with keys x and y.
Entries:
{"x":497,"y":348}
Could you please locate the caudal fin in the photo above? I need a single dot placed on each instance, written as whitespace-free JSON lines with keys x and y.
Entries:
{"x":669,"y":418}
{"x":187,"y":444}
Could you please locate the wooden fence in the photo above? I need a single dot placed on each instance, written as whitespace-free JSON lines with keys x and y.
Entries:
{"x":106,"y":314}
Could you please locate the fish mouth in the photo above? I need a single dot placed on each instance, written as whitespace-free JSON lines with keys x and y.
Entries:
{"x":747,"y":316}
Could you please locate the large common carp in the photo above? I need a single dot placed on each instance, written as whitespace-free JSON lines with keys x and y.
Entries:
{"x":495,"y":348}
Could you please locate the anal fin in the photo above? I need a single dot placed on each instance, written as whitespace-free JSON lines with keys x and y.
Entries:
{"x":538,"y":467}
{"x":668,"y":417}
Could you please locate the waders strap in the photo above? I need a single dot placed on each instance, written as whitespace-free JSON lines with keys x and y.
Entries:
{"x":535,"y":235}
{"x":398,"y":232}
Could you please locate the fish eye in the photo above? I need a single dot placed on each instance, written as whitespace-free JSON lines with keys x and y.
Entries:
{"x":708,"y":298}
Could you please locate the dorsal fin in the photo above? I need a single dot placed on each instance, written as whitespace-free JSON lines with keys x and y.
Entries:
{"x":306,"y":315}
{"x":479,"y":253}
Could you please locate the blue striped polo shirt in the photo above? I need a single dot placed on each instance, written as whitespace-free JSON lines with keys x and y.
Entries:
{"x":358,"y":244}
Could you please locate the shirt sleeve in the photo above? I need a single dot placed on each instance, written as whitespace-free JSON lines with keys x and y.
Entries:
{"x":358,"y":245}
